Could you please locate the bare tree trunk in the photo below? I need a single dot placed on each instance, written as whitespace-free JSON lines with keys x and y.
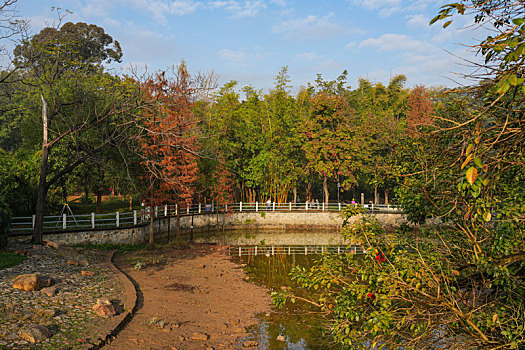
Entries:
{"x":178,"y":225}
{"x":295,"y":194}
{"x":376,"y":195}
{"x":42,"y":184}
{"x":325,"y":189}
{"x":152,"y":219}
{"x":386,"y":196}
{"x":99,"y":202}
{"x":86,"y":190}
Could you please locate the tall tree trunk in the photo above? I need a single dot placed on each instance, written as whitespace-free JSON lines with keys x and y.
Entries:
{"x":294,"y":194}
{"x":178,"y":225}
{"x":308,"y":191}
{"x":376,"y":197}
{"x":86,"y":190}
{"x":386,"y":196}
{"x":42,"y":184}
{"x":99,"y":202}
{"x":325,"y":189}
{"x":152,"y":220}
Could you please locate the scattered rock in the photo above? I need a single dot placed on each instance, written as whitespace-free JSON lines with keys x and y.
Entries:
{"x":87,"y":273}
{"x":281,"y":338}
{"x":104,"y":301}
{"x":51,"y":244}
{"x":46,"y":312}
{"x":250,"y":344}
{"x":49,"y":291}
{"x":72,"y":262}
{"x":36,"y":334}
{"x":104,"y":310}
{"x":31,"y":281}
{"x":199,"y":336}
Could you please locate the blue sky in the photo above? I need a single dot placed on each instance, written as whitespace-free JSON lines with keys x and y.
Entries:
{"x":250,"y":40}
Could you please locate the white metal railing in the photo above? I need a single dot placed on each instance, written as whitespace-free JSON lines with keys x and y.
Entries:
{"x":293,"y":250}
{"x":25,"y":224}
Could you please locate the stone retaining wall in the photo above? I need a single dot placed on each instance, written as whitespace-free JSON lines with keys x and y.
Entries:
{"x":204,"y":226}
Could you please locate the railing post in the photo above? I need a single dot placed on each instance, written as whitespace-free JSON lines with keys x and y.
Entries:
{"x":290,"y":206}
{"x":256,"y":206}
{"x":305,"y":250}
{"x":176,"y":209}
{"x":240,"y":252}
{"x":33,"y":222}
{"x":240,"y":206}
{"x":92,"y":220}
{"x":323,"y":206}
{"x":273,"y":208}
{"x":165,"y":210}
{"x":134,"y":217}
{"x":117,"y":218}
{"x":156,"y":211}
{"x":64,"y":221}
{"x":212,"y":206}
{"x":273,"y":250}
{"x":339,"y":206}
{"x":255,"y":251}
{"x":200,"y":208}
{"x":188,"y":209}
{"x":288,"y":250}
{"x":306,"y":205}
{"x":226,"y":207}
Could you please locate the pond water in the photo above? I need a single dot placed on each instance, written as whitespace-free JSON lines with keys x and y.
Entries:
{"x":300,"y":324}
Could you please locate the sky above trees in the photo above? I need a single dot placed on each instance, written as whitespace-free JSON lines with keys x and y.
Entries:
{"x":249,"y":40}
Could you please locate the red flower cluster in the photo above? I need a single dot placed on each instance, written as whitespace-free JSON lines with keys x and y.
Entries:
{"x":380,"y":257}
{"x":371,"y":295}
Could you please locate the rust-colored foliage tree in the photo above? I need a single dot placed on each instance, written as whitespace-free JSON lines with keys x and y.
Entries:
{"x":420,"y":110}
{"x":168,"y":145}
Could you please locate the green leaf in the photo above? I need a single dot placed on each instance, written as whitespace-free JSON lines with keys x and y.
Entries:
{"x":487,"y":216}
{"x":518,"y":21}
{"x":478,"y":162}
{"x":513,"y":80}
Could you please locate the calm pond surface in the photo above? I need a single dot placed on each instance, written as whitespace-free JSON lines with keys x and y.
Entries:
{"x":299,"y":323}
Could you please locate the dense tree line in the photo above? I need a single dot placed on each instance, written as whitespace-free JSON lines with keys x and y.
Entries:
{"x":67,"y":125}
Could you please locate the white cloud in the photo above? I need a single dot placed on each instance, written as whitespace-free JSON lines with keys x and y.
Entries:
{"x":307,"y":56}
{"x":159,"y":9}
{"x":311,"y":26}
{"x":240,"y":9}
{"x":395,"y":42}
{"x":350,"y":45}
{"x":386,"y":8}
{"x":418,"y":22}
{"x":233,"y":57}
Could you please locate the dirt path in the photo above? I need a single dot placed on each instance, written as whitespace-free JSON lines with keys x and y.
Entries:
{"x":193,"y":298}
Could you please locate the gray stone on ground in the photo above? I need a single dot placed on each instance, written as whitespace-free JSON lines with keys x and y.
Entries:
{"x":35,"y":334}
{"x":31,"y":281}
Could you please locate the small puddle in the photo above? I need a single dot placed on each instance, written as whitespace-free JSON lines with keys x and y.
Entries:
{"x":300,"y":324}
